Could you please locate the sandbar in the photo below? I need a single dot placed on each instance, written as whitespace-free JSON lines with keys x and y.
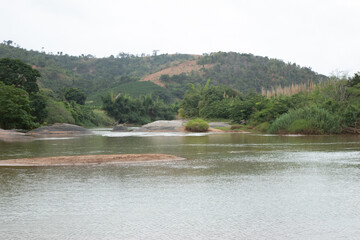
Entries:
{"x":88,"y":160}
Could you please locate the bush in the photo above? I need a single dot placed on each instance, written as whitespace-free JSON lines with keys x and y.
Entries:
{"x":57,"y":113}
{"x":308,"y":120}
{"x":216,"y":109}
{"x":197,"y":125}
{"x":102,"y":119}
{"x":302,"y":126}
{"x":263,"y":127}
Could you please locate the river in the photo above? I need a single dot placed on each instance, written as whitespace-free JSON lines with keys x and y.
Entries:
{"x":231,"y":186}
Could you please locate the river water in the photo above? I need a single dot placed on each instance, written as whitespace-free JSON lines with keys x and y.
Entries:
{"x":231,"y":186}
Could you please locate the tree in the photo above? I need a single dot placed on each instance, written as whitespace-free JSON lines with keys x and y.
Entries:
{"x":74,"y":94}
{"x":38,"y":106}
{"x":15,"y":108}
{"x":139,"y":110}
{"x":21,"y":75}
{"x":354,"y":81}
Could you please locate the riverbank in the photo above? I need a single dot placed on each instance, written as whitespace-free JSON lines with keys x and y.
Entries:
{"x":88,"y":160}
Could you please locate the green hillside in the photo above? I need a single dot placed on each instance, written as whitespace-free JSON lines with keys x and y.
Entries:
{"x":243,"y":72}
{"x":88,"y":73}
{"x":122,"y":73}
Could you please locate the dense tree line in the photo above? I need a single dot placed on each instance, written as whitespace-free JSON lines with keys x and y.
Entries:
{"x":24,"y":105}
{"x":140,"y":110}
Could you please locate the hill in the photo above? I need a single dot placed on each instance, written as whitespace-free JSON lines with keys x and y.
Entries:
{"x":163,"y":75}
{"x":243,"y":72}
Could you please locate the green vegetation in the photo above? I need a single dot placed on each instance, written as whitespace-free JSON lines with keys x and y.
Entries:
{"x":244,"y":72}
{"x":90,"y":74}
{"x":73,"y":113}
{"x":307,"y":120}
{"x":15,"y":72}
{"x":58,"y":113}
{"x":333,"y":107}
{"x":140,"y":110}
{"x":134,"y":90}
{"x":197,"y":125}
{"x":74,"y":94}
{"x":208,"y":101}
{"x":45,"y":88}
{"x":23,"y":105}
{"x":122,"y":73}
{"x":15,"y":111}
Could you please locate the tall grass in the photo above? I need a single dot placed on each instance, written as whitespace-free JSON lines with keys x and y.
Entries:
{"x":307,"y":120}
{"x":297,"y":88}
{"x":288,"y":90}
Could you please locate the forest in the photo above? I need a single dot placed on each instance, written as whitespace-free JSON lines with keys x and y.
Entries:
{"x":39,"y":89}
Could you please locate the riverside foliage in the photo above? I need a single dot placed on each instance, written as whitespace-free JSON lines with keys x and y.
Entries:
{"x":26,"y":106}
{"x":331,"y":108}
{"x":144,"y":109}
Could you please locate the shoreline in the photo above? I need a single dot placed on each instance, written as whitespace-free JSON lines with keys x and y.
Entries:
{"x":87,"y":160}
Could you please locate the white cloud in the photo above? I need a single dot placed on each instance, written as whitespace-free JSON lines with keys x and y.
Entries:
{"x":321,"y":34}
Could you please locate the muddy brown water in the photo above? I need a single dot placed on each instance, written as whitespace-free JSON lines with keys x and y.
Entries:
{"x":232,"y":186}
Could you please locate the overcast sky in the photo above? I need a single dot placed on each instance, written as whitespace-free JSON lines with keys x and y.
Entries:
{"x":321,"y":34}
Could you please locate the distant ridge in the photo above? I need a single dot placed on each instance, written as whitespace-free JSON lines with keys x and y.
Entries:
{"x":165,"y":75}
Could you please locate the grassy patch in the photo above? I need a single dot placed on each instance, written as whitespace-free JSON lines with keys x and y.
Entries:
{"x":223,"y":128}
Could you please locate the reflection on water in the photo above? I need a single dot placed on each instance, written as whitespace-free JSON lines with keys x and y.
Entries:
{"x":232,"y":186}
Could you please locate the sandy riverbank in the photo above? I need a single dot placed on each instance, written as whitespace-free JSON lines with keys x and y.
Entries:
{"x":88,"y":160}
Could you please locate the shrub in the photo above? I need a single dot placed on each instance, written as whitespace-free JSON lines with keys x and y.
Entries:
{"x":263,"y":127}
{"x":197,"y":125}
{"x":309,"y":120}
{"x":302,"y":126}
{"x":102,"y":119}
{"x":57,"y":113}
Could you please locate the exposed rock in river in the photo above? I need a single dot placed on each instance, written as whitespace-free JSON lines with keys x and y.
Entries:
{"x":163,"y":126}
{"x":13,"y":136}
{"x":120,"y":128}
{"x":60,"y":129}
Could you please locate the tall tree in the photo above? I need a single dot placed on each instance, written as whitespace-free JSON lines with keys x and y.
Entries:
{"x":74,"y":94}
{"x":21,"y":75}
{"x":15,"y":108}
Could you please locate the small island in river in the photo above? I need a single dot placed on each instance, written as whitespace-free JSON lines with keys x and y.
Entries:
{"x":88,"y":160}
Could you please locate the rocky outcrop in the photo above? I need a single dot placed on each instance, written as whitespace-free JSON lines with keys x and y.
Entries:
{"x":13,"y":136}
{"x":163,"y":126}
{"x":120,"y":128}
{"x":60,"y":129}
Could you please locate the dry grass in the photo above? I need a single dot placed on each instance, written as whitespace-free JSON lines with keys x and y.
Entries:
{"x":288,"y":90}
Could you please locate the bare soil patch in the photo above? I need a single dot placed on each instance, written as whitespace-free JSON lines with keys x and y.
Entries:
{"x":185,"y":67}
